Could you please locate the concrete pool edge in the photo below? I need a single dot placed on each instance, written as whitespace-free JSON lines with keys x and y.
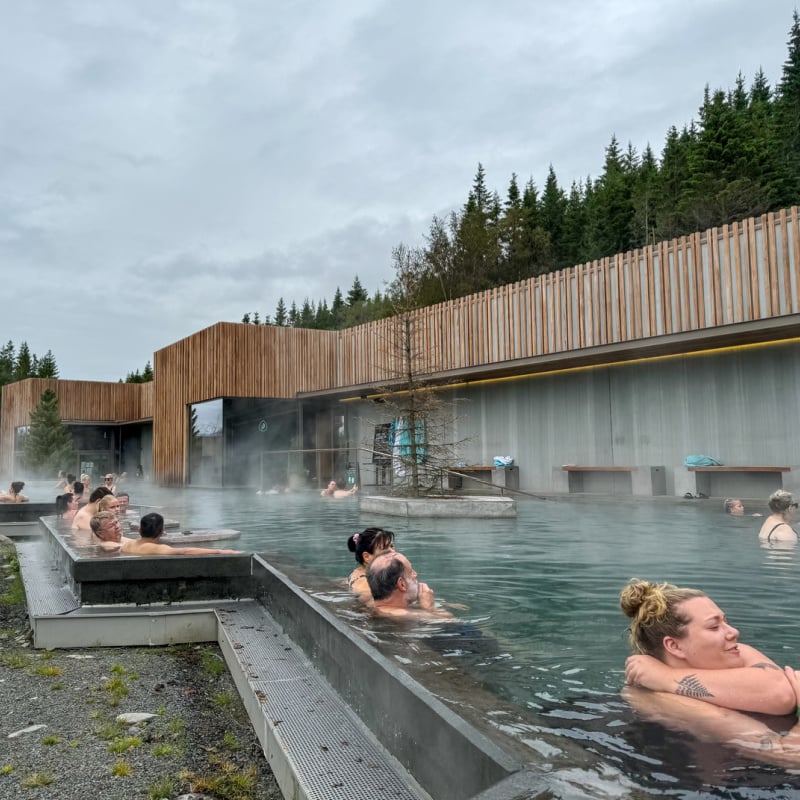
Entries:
{"x":413,"y":728}
{"x":470,"y":506}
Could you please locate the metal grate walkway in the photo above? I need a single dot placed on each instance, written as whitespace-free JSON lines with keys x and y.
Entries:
{"x":317,"y":747}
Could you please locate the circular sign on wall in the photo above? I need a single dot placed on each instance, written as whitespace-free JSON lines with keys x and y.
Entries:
{"x":262,"y":426}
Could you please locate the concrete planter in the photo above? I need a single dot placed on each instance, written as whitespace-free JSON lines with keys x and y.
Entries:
{"x":474,"y":507}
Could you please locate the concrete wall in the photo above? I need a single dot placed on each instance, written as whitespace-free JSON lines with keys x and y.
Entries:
{"x":739,"y":406}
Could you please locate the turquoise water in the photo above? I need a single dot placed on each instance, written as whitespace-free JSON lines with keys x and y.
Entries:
{"x":546,"y":641}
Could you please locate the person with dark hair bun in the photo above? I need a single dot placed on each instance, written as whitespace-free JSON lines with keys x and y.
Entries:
{"x":684,"y":645}
{"x":66,"y":505}
{"x":366,"y":545}
{"x":14,"y":494}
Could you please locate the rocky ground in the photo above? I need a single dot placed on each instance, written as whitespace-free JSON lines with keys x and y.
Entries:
{"x":60,"y":732}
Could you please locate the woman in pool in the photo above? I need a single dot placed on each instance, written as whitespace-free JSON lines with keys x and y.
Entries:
{"x":776,"y":527}
{"x":685,"y":646}
{"x":365,"y":545}
{"x":14,"y":493}
{"x":66,"y":505}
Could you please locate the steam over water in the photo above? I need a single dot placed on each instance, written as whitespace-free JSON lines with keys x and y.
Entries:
{"x":543,"y":637}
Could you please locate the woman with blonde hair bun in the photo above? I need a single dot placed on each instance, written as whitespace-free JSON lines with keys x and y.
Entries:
{"x":685,"y":645}
{"x":691,"y":672}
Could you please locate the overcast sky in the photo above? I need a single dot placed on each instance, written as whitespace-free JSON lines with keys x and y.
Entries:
{"x":168,"y":165}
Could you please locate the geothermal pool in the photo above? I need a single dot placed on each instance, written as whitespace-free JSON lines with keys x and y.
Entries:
{"x":546,"y":641}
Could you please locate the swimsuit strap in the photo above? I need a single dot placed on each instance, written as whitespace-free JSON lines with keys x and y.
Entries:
{"x":777,"y":526}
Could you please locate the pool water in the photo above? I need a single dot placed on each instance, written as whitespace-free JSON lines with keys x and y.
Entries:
{"x":543,"y":635}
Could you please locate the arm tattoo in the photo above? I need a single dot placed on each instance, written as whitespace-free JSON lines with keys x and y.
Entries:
{"x":690,"y":686}
{"x":764,"y":665}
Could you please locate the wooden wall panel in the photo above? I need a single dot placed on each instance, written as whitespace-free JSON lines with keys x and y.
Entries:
{"x":739,"y":273}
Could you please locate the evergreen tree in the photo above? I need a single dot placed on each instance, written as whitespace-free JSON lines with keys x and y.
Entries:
{"x":552,"y":210}
{"x":644,"y":196}
{"x":147,"y":373}
{"x":23,"y":366}
{"x":7,"y":361}
{"x":280,"y":313}
{"x":46,"y":367}
{"x":323,"y":320}
{"x":246,"y":319}
{"x":787,"y":121}
{"x":48,"y":444}
{"x":337,"y":310}
{"x":256,"y":318}
{"x":294,"y":316}
{"x":357,"y":293}
{"x":307,"y":315}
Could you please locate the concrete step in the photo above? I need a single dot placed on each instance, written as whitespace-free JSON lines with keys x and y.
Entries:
{"x":315,"y":744}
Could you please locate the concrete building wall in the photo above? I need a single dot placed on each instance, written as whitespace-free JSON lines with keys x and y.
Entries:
{"x":739,"y":406}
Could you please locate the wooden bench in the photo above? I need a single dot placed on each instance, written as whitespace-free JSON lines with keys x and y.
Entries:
{"x":501,"y":477}
{"x":639,"y":480}
{"x":724,"y":481}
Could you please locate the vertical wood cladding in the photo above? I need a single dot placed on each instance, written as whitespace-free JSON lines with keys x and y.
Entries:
{"x":741,"y":272}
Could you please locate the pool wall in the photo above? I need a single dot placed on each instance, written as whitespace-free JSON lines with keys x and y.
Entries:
{"x":735,"y":405}
{"x":420,"y":732}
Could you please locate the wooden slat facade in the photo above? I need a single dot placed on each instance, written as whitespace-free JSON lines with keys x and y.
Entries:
{"x":739,"y":273}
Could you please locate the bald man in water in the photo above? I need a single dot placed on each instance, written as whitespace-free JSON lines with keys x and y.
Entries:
{"x":396,"y":590}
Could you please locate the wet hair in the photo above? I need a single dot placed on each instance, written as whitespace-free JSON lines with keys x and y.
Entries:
{"x":63,"y":501}
{"x":77,"y":488}
{"x":99,"y":493}
{"x":70,"y":478}
{"x":780,"y":501}
{"x":17,"y":486}
{"x":96,"y":522}
{"x":86,"y":478}
{"x":105,"y":502}
{"x":151,"y":526}
{"x":729,"y":503}
{"x":383,"y":579}
{"x":370,"y":540}
{"x":123,"y":494}
{"x":655,"y":611}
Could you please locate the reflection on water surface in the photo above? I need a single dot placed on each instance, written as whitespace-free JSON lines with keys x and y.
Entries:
{"x":542,"y":633}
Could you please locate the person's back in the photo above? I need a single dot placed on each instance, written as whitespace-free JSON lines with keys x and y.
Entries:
{"x":776,"y":527}
{"x":151,"y":528}
{"x":14,"y":494}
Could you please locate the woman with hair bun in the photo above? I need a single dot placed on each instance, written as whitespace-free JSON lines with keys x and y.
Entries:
{"x":691,"y":673}
{"x":776,"y":527}
{"x":685,"y":645}
{"x":366,"y":545}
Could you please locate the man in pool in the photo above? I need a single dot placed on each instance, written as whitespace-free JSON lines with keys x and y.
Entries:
{"x":107,"y":530}
{"x":397,"y":592}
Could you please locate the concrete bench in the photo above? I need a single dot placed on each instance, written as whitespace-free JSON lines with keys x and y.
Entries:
{"x":641,"y":480}
{"x":727,"y":481}
{"x":501,"y":477}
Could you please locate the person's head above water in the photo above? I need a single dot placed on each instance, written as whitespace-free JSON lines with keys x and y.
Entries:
{"x":733,"y":505}
{"x":17,"y":486}
{"x":151,"y":526}
{"x":659,"y":613}
{"x":369,"y":542}
{"x":98,"y":494}
{"x":781,"y":501}
{"x":391,"y":576}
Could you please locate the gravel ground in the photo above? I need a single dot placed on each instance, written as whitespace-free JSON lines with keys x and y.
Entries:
{"x":200,"y":739}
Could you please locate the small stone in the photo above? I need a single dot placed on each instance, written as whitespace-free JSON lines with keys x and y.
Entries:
{"x":135,"y":718}
{"x":29,"y":729}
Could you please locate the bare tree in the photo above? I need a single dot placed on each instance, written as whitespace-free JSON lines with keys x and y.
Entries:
{"x":421,"y":446}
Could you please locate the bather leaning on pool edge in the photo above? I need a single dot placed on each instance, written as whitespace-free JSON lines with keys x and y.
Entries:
{"x":107,"y":531}
{"x":690,"y":672}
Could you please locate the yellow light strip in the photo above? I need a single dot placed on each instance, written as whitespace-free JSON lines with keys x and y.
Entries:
{"x":585,"y":368}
